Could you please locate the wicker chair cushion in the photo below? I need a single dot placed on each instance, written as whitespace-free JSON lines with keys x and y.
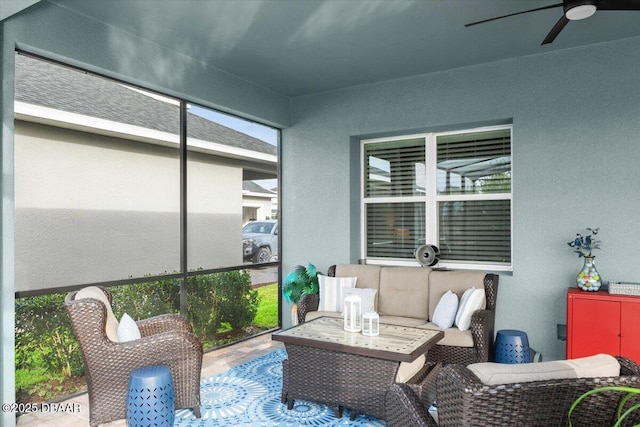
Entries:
{"x":452,"y":336}
{"x":600,"y":365}
{"x":111,"y":328}
{"x":457,"y":281}
{"x":404,"y":291}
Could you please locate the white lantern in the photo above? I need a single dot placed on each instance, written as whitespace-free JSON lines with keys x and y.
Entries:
{"x":353,"y":313}
{"x":371,"y":324}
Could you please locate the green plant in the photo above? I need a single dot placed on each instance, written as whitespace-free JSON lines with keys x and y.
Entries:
{"x":221,"y":297}
{"x":621,"y":412}
{"x":300,"y":281}
{"x":44,"y":338}
{"x":147,"y":299}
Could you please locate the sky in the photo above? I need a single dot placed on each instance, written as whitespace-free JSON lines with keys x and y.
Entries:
{"x":256,"y":130}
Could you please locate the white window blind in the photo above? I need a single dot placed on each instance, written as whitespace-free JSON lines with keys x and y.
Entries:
{"x":394,"y":230}
{"x":451,"y":189}
{"x":395,"y":168}
{"x":474,"y":170}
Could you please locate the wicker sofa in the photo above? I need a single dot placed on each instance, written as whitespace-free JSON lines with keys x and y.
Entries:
{"x":165,"y":340}
{"x":408,"y":296}
{"x":463,"y":399}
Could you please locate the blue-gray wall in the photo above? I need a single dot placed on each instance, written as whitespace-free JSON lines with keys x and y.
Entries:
{"x":576,"y":150}
{"x":60,"y":34}
{"x":576,"y":123}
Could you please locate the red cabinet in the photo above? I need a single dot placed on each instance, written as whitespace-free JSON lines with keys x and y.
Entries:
{"x":599,"y":322}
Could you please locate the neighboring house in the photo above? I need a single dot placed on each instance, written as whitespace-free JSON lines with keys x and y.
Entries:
{"x":258,"y":203}
{"x":97,"y":181}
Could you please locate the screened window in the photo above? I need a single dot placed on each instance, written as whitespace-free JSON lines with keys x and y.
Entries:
{"x":450,"y":189}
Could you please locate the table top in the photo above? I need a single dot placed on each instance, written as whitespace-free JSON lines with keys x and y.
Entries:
{"x":400,"y":343}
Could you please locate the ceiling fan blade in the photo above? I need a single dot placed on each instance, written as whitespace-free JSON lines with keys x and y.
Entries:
{"x":556,"y":30}
{"x":619,"y":5}
{"x":514,"y":14}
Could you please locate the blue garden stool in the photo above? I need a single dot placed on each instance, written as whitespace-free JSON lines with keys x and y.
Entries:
{"x":512,"y":346}
{"x":150,"y":398}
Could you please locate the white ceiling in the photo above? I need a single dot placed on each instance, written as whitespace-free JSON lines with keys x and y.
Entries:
{"x":299,"y":47}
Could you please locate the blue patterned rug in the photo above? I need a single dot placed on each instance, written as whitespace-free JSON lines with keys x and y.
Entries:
{"x":249,"y":396}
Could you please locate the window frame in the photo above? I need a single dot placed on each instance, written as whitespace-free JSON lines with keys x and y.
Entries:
{"x":432,"y":200}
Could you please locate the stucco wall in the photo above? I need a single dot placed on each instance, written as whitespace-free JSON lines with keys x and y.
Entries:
{"x":575,"y":153}
{"x":92,"y":208}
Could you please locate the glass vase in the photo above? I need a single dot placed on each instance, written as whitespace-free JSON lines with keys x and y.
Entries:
{"x":589,"y":278}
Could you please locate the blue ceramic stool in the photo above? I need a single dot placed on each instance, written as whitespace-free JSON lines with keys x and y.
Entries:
{"x":512,"y":347}
{"x":151,"y":398}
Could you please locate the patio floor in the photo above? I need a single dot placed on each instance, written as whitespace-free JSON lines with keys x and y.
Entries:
{"x":213,"y":363}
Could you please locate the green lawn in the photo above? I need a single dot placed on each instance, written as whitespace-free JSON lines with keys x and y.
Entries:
{"x":267,"y":315}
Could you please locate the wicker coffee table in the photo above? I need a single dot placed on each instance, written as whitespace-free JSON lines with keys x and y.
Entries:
{"x":348,"y":370}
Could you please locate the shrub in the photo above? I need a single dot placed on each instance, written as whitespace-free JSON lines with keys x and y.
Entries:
{"x":44,"y":338}
{"x":148,"y":299}
{"x":221,"y":297}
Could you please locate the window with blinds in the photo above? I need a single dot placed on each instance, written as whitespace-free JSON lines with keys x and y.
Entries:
{"x":451,"y":189}
{"x":395,"y":168}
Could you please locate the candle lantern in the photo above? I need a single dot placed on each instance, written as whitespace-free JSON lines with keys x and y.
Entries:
{"x":371,"y":324}
{"x":353,"y":313}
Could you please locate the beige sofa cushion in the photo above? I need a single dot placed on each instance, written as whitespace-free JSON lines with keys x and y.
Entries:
{"x":111,"y":328}
{"x":404,"y":291}
{"x":401,"y":321}
{"x":600,"y":365}
{"x":452,"y":336}
{"x":457,"y":281}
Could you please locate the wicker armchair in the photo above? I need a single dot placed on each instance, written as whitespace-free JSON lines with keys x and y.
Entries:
{"x":482,"y":327}
{"x":465,"y":401}
{"x":166,"y":340}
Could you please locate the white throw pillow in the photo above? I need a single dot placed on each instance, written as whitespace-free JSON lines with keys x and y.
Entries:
{"x":368,"y":296}
{"x":128,"y":329}
{"x":474,"y":301}
{"x":446,"y":310}
{"x":332,"y":293}
{"x":463,"y":301}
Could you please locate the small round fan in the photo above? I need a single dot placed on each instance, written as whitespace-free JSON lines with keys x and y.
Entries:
{"x":427,"y":255}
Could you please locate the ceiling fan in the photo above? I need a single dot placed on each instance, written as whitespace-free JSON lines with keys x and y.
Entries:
{"x":573,"y":10}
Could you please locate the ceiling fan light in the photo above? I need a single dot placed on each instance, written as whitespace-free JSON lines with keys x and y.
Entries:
{"x":580,"y":12}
